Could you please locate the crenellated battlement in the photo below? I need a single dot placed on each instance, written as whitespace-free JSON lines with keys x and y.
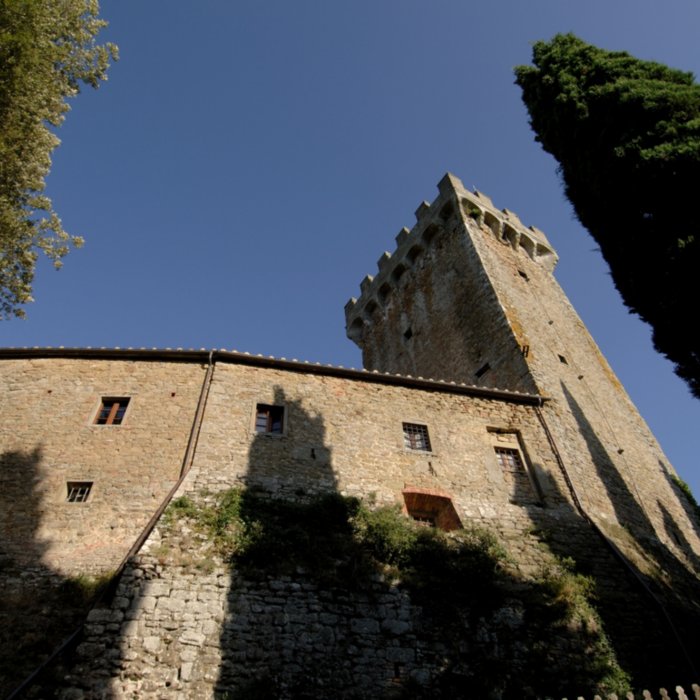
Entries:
{"x":475,"y":208}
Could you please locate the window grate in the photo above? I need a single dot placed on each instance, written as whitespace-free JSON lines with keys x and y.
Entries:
{"x":415,"y":437}
{"x":78,"y":491}
{"x":509,"y":459}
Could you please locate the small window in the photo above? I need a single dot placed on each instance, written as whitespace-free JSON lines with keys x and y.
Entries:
{"x":509,"y":459}
{"x":112,"y":411}
{"x":269,"y":419}
{"x":415,"y":437}
{"x":78,"y":491}
{"x":482,"y":370}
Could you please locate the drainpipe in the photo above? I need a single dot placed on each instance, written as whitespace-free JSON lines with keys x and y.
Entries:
{"x":108,"y":591}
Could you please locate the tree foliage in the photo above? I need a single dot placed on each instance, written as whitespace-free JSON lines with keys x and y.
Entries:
{"x":47,"y":49}
{"x":626,"y":133}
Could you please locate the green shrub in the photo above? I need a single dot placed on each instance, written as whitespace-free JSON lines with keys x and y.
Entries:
{"x":688,"y":494}
{"x":459,"y":580}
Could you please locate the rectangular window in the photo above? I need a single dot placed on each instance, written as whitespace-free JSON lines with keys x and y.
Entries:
{"x":112,"y":411}
{"x":415,"y":437}
{"x":269,"y":419}
{"x":78,"y":491}
{"x":509,"y":459}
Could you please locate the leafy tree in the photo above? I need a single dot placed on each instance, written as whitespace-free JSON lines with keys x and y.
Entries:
{"x":47,"y":49}
{"x":626,"y":133}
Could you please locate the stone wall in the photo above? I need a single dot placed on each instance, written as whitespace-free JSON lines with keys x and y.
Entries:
{"x":480,"y":298}
{"x":557,"y":461}
{"x":52,"y":550}
{"x":183,"y":622}
{"x":48,"y":437}
{"x":346,"y":435}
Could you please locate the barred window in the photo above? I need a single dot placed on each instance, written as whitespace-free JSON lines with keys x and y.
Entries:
{"x":269,"y":419}
{"x":509,"y":459}
{"x":78,"y":491}
{"x":415,"y":437}
{"x":112,"y":410}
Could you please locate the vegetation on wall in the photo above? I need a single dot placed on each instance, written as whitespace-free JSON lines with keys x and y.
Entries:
{"x":525,"y":637}
{"x":626,"y":133}
{"x":688,"y":495}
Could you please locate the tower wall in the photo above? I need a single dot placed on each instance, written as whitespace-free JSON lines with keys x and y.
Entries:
{"x":476,"y":290}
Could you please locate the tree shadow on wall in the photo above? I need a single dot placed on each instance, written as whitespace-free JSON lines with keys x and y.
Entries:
{"x":676,"y":534}
{"x":283,"y":635}
{"x":685,"y":498}
{"x":673,"y":628}
{"x":38,"y":607}
{"x":627,"y":508}
{"x":331,"y":599}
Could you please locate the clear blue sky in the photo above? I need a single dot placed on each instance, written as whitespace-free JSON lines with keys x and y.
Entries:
{"x":247,"y":163}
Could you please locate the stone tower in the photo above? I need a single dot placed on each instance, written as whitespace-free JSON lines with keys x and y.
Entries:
{"x":469,"y":296}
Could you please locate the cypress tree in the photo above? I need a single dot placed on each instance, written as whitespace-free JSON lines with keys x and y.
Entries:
{"x":626,"y":133}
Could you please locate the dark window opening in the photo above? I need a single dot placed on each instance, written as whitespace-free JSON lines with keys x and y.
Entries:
{"x":78,"y":491}
{"x":482,"y":370}
{"x":415,"y":437}
{"x":414,"y":254}
{"x":269,"y":419}
{"x":112,"y":411}
{"x":424,"y":519}
{"x":398,"y":272}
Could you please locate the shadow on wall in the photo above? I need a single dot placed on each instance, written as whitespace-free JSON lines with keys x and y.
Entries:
{"x":649,"y":560}
{"x":38,"y":606}
{"x":685,"y":498}
{"x":330,"y":599}
{"x":326,"y":597}
{"x":279,"y":623}
{"x":627,"y":509}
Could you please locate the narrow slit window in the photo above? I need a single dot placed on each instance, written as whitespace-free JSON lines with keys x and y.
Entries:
{"x":112,"y":410}
{"x":415,"y":437}
{"x":78,"y":491}
{"x":269,"y":419}
{"x":482,"y":370}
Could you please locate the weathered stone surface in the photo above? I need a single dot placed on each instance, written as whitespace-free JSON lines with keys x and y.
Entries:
{"x":468,"y":289}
